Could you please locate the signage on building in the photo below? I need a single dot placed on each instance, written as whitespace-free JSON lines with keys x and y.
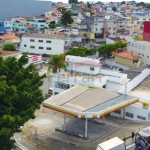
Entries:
{"x":35,"y":58}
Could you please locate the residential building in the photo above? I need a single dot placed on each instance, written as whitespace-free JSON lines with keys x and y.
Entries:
{"x":133,"y":14}
{"x":39,"y":24}
{"x":2,"y":28}
{"x":18,"y":26}
{"x":31,"y":29}
{"x":44,"y":43}
{"x":28,"y":8}
{"x":99,"y":27}
{"x":10,"y":38}
{"x":8,"y":26}
{"x":140,"y":48}
{"x":127,"y":59}
{"x":111,"y":26}
{"x":53,"y":18}
{"x":6,"y":54}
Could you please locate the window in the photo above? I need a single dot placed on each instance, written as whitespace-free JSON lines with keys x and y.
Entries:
{"x":143,"y":48}
{"x":140,"y":117}
{"x":143,"y":55}
{"x":96,"y":24}
{"x":32,"y":46}
{"x":92,"y":68}
{"x":32,"y":40}
{"x":132,"y":45}
{"x":135,"y":46}
{"x":40,"y":47}
{"x":130,"y":115}
{"x":139,"y":53}
{"x":114,"y":33}
{"x":25,"y":45}
{"x":56,"y":93}
{"x":147,"y":56}
{"x":41,"y":41}
{"x":48,"y":41}
{"x":114,"y":28}
{"x":118,"y":112}
{"x":48,"y":48}
{"x":62,"y":85}
{"x":139,"y":47}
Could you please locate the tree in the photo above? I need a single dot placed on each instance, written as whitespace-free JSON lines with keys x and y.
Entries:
{"x":81,"y":51}
{"x":57,"y":63}
{"x":88,"y":5}
{"x":123,"y":2}
{"x":73,"y":1}
{"x":114,"y":9}
{"x":61,"y":9}
{"x":106,"y":49}
{"x":9,"y":47}
{"x":20,"y":96}
{"x":52,"y":25}
{"x":66,"y":18}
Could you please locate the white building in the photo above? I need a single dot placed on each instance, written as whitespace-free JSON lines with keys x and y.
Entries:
{"x":44,"y":44}
{"x":8,"y":26}
{"x":112,"y":28}
{"x":98,"y":26}
{"x":87,"y":71}
{"x":140,"y":48}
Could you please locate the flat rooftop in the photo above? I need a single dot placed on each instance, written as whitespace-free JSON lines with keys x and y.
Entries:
{"x":46,"y":36}
{"x":133,"y":72}
{"x":88,"y":102}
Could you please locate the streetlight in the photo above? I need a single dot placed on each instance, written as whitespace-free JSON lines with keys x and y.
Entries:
{"x":36,"y":139}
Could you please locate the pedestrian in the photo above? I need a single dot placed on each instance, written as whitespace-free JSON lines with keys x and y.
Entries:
{"x":132,"y":135}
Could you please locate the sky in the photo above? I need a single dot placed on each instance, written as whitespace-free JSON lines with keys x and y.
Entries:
{"x":66,"y":1}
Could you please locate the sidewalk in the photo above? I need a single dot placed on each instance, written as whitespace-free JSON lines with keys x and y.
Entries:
{"x":22,"y":140}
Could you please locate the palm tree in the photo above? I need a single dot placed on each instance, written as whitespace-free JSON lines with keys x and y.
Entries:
{"x":57,"y":63}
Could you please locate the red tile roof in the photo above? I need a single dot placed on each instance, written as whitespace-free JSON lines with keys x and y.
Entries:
{"x":9,"y":36}
{"x":128,"y":55}
{"x":6,"y":53}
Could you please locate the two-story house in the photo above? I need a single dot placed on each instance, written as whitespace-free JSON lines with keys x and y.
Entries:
{"x":18,"y":26}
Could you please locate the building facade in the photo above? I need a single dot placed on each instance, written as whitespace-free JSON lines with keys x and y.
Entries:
{"x":44,"y":44}
{"x":8,"y":26}
{"x":2,"y":28}
{"x":140,"y":48}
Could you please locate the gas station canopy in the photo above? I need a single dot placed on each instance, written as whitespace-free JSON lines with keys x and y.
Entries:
{"x":88,"y":102}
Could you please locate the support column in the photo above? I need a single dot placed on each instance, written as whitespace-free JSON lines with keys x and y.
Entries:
{"x":85,"y":127}
{"x":103,"y":119}
{"x":64,"y":122}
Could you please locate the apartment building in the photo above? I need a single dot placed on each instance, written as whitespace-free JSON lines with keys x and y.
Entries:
{"x":111,"y":26}
{"x":38,"y":23}
{"x":99,"y":27}
{"x":2,"y":28}
{"x":44,"y":44}
{"x":18,"y":26}
{"x":8,"y":26}
{"x":140,"y":48}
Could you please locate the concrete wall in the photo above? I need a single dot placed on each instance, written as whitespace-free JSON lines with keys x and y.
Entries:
{"x":126,"y":62}
{"x":109,"y":41}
